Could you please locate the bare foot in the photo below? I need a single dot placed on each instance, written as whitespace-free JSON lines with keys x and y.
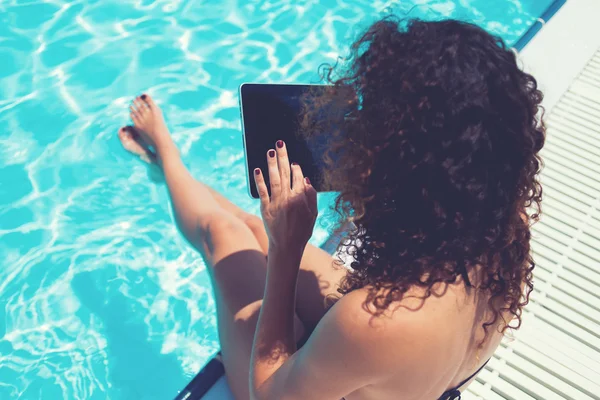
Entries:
{"x":149,"y":123}
{"x":132,"y":141}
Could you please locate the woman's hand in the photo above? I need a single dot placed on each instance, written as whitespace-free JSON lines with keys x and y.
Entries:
{"x":291,"y":210}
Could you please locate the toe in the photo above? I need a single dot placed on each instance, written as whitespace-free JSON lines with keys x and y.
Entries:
{"x":140,"y":106}
{"x":127,"y":135}
{"x":148,"y":100}
{"x":129,"y":131}
{"x":136,"y":135}
{"x":133,"y":113}
{"x":123,"y":134}
{"x":132,"y":132}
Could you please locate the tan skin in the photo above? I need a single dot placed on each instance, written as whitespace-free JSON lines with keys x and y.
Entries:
{"x":415,"y":351}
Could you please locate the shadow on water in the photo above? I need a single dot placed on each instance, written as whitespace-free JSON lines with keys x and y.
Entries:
{"x":137,"y":369}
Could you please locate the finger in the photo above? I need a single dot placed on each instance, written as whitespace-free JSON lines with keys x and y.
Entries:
{"x":297,"y":178}
{"x":311,"y":197}
{"x":261,"y":187}
{"x":283,"y":163}
{"x":274,"y":177}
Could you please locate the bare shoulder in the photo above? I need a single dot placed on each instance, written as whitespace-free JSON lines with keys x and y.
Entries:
{"x":414,"y":311}
{"x":399,"y":337}
{"x":353,"y":348}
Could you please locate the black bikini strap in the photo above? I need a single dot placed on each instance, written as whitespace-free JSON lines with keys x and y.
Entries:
{"x":472,"y":376}
{"x":454,"y":394}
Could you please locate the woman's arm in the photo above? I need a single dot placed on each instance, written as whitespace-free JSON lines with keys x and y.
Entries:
{"x":348,"y":350}
{"x":289,"y":212}
{"x":274,"y":339}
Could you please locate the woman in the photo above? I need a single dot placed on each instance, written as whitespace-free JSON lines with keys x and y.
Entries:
{"x":436,"y":165}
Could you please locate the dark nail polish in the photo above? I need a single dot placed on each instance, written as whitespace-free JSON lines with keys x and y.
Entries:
{"x":294,"y":163}
{"x":307,"y":180}
{"x":280,"y":143}
{"x":256,"y":171}
{"x":143,"y":97}
{"x":271,"y":153}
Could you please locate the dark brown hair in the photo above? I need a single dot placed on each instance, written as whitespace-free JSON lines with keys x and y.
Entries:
{"x":433,"y":136}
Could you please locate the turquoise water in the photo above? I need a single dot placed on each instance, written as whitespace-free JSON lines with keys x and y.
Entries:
{"x":100,"y":297}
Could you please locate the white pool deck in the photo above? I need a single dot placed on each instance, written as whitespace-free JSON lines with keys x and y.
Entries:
{"x":556,"y":353}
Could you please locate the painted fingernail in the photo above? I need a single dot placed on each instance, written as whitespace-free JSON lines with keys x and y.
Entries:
{"x":295,"y":164}
{"x":143,"y":97}
{"x":271,"y":153}
{"x":307,"y":180}
{"x":256,"y":171}
{"x":280,"y":143}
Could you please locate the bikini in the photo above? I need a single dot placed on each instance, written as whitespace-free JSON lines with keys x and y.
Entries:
{"x":454,"y":394}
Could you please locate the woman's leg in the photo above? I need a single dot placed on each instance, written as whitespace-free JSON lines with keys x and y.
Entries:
{"x":236,"y":264}
{"x":318,"y":279}
{"x":233,"y":252}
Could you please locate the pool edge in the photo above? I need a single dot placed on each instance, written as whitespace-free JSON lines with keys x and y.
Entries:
{"x":539,"y":24}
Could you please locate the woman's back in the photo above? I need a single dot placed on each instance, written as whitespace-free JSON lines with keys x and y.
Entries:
{"x":448,"y":343}
{"x":433,"y":136}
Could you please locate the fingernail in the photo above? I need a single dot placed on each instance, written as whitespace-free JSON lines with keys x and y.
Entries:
{"x":280,"y":143}
{"x":256,"y":171}
{"x":307,"y":180}
{"x":271,"y":153}
{"x":143,"y":97}
{"x":294,"y":163}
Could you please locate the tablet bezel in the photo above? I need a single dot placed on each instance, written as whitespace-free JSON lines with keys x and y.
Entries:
{"x":246,"y":161}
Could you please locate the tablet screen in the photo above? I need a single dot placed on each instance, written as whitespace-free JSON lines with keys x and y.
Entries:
{"x":271,"y":113}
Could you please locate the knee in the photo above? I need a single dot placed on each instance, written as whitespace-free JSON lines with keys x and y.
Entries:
{"x":199,"y":229}
{"x":253,"y":222}
{"x":218,"y":229}
{"x":223,"y":224}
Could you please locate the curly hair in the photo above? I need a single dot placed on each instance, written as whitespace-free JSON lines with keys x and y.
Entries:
{"x":433,"y":134}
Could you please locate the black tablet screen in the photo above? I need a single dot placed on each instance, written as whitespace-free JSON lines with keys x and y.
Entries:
{"x":271,"y":113}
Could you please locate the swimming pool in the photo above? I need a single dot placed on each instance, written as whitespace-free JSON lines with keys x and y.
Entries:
{"x":100,"y":297}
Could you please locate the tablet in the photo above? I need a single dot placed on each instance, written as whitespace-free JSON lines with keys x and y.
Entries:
{"x":271,"y":112}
